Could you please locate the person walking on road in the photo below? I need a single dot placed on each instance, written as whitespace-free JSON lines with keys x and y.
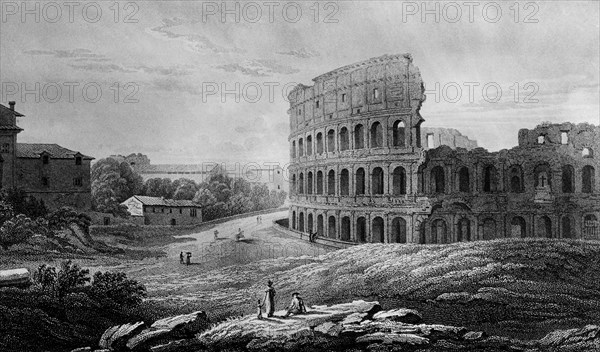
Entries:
{"x":269,"y":301}
{"x":216,"y":234}
{"x":181,"y":258}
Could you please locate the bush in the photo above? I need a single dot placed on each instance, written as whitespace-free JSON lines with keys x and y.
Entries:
{"x":117,"y":288}
{"x":17,"y":230}
{"x":65,"y":216}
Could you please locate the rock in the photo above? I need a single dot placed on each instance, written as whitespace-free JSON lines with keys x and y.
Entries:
{"x":354,"y":318}
{"x":474,"y":335}
{"x":329,"y":328}
{"x":586,"y":334}
{"x":178,"y":327}
{"x":178,"y":346}
{"x":82,"y":349}
{"x":391,"y":338}
{"x":116,"y":337}
{"x":15,"y":277}
{"x":403,"y":315}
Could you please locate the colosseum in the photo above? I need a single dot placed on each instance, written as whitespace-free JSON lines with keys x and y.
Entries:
{"x":361,"y":171}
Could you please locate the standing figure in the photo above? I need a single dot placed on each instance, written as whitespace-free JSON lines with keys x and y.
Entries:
{"x":258,"y":219}
{"x":216,"y":235}
{"x":269,"y":301}
{"x":181,"y":258}
{"x":188,"y":258}
{"x":259,"y":310}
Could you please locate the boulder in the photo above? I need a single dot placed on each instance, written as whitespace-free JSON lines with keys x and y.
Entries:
{"x":391,"y":338}
{"x":15,"y":277}
{"x":354,"y":318}
{"x":115,"y":338}
{"x":586,"y":334}
{"x":172,"y":328}
{"x":474,"y":335}
{"x":329,"y":328}
{"x":402,"y":315}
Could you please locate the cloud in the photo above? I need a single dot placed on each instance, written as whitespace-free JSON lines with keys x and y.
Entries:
{"x":302,"y":53}
{"x":102,"y":68}
{"x":176,"y":70}
{"x":258,"y":68}
{"x":172,"y":85}
{"x":195,"y":42}
{"x":80,"y":54}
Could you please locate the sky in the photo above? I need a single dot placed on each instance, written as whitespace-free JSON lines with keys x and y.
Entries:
{"x":196,"y":81}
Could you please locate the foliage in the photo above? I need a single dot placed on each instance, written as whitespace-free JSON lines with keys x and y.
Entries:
{"x":184,"y":189}
{"x":63,"y":217}
{"x":159,"y":187}
{"x":6,"y":211}
{"x":70,"y":277}
{"x":24,"y":204}
{"x":17,"y":230}
{"x":117,"y":288}
{"x":112,"y":183}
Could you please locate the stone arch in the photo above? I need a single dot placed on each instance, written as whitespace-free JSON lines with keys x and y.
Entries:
{"x":464,"y":182}
{"x":439,"y":231}
{"x":398,"y":234}
{"x":345,"y":234}
{"x":319,"y":182}
{"x":344,"y":182}
{"x":588,"y":176}
{"x":544,"y":227}
{"x":437,"y":180}
{"x":361,"y":229}
{"x":463,"y":230}
{"x":310,"y":224}
{"x":293,"y":152}
{"x":359,"y":136}
{"x":293,"y":220}
{"x":320,"y":225}
{"x":376,"y":135}
{"x":542,"y":176}
{"x":568,"y":179}
{"x":490,"y":179}
{"x":518,"y":227}
{"x":331,"y":141}
{"x":377,"y":181}
{"x":591,"y":227}
{"x":331,"y":233}
{"x":567,"y":227}
{"x":360,"y":181}
{"x":309,"y":183}
{"x":377,"y":230}
{"x":301,"y":222}
{"x":293,"y":190}
{"x":300,"y":147}
{"x":399,"y":134}
{"x":331,"y":182}
{"x":309,"y":145}
{"x":515,"y":176}
{"x":344,"y":139}
{"x":399,"y":181}
{"x":319,"y":143}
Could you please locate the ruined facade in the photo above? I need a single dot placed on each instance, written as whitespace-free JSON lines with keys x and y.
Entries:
{"x":360,"y":173}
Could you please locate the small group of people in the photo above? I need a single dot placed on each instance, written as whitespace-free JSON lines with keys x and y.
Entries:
{"x":312,"y":236}
{"x":296,"y":306}
{"x":188,"y":258}
{"x":259,"y":219}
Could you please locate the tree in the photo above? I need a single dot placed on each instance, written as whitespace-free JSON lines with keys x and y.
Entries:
{"x":159,"y":187}
{"x":24,"y":204}
{"x":65,"y":216}
{"x":70,"y":278}
{"x":112,"y":183}
{"x":17,"y":230}
{"x":117,"y":288}
{"x":184,"y":189}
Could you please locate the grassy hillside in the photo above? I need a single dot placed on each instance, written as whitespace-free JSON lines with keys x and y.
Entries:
{"x":518,"y":288}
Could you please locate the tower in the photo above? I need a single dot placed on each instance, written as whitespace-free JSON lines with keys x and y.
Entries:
{"x":8,"y":144}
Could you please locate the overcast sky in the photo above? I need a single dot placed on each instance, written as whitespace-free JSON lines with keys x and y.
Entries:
{"x":162,"y":56}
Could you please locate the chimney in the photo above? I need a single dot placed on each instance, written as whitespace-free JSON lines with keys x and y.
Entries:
{"x":12,"y":105}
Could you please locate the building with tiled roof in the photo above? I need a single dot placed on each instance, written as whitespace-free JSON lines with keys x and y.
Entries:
{"x":46,"y":171}
{"x":161,"y":211}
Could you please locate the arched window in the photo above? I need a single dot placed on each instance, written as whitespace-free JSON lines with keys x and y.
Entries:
{"x":309,"y":183}
{"x":359,"y":137}
{"x":301,"y":222}
{"x":398,"y":230}
{"x":293,"y":220}
{"x":319,"y":143}
{"x":399,"y":134}
{"x":320,"y":225}
{"x":300,"y":147}
{"x":377,"y":181}
{"x":293,"y":149}
{"x":309,"y":145}
{"x":331,"y":141}
{"x":319,"y":182}
{"x":331,"y":227}
{"x":376,"y":135}
{"x":293,"y":190}
{"x":568,"y":185}
{"x":588,"y":174}
{"x":439,"y":233}
{"x":516,"y":179}
{"x":464,"y":183}
{"x":377,"y":230}
{"x":345,"y":234}
{"x":489,"y":179}
{"x":587,"y":153}
{"x":518,"y":227}
{"x":361,"y":229}
{"x":399,"y":181}
{"x":463,"y":230}
{"x":567,"y":227}
{"x":344,"y":183}
{"x":544,"y":227}
{"x":310,"y":223}
{"x":360,"y":181}
{"x":438,"y":180}
{"x":301,"y":183}
{"x":489,"y":229}
{"x":591,"y":227}
{"x":331,"y":182}
{"x":344,"y":139}
{"x":541,"y":139}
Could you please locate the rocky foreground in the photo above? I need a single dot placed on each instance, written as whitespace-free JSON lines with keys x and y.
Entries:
{"x":356,"y":326}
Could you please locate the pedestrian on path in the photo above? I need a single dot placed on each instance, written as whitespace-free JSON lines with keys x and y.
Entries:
{"x":181,"y":258}
{"x":188,"y":258}
{"x":269,"y":301}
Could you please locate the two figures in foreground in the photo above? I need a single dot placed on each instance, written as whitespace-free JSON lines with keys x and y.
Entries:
{"x":296,"y":306}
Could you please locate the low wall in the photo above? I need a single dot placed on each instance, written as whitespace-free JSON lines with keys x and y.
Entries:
{"x":328,"y":242}
{"x":123,"y":228}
